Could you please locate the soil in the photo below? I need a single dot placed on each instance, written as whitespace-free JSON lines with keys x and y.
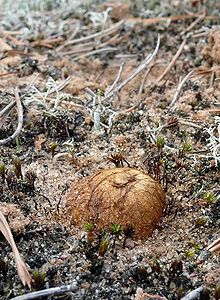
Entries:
{"x":62,"y":141}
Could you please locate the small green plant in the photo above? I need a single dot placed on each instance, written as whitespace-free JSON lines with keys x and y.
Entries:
{"x":38,"y":280}
{"x":115,"y":228}
{"x":53,"y":147}
{"x":193,"y":250}
{"x":160,"y":142}
{"x":187,"y":147}
{"x":190,"y":253}
{"x":89,"y":227}
{"x":201,"y":221}
{"x":104,"y":244}
{"x":91,"y":235}
{"x":210,"y":197}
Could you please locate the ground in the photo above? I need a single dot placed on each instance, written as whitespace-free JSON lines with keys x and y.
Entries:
{"x":52,"y":54}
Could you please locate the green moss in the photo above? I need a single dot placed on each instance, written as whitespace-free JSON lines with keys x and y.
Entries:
{"x":210,"y":197}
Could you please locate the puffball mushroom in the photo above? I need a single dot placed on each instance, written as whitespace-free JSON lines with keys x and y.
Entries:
{"x":122,"y":196}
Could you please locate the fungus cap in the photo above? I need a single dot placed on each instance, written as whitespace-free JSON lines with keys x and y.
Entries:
{"x":123,"y":196}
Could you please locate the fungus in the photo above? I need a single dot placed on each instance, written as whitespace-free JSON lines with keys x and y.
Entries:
{"x":123,"y":196}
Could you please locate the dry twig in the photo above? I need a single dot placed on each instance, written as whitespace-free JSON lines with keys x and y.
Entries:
{"x":116,"y":79}
{"x":139,"y":69}
{"x":194,"y":294}
{"x":97,"y":34}
{"x":70,"y":38}
{"x":179,"y":88}
{"x":143,"y":81}
{"x":21,"y":267}
{"x":214,"y":246}
{"x":173,"y":61}
{"x":47,"y":292}
{"x":193,"y":24}
{"x":20,"y":119}
{"x":151,"y":21}
{"x":107,"y":49}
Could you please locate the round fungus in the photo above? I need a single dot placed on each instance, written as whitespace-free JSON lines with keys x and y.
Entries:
{"x":123,"y":196}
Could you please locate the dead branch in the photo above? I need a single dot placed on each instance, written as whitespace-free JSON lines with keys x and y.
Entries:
{"x":7,"y":109}
{"x":150,"y":21}
{"x":214,"y":246}
{"x":47,"y":292}
{"x":140,"y":68}
{"x":116,"y":79}
{"x":143,"y":81}
{"x":20,"y":120}
{"x":194,"y":294}
{"x":179,"y":88}
{"x":193,"y":24}
{"x":95,"y":35}
{"x":107,"y":49}
{"x":70,"y":38}
{"x":189,"y":123}
{"x":20,"y":264}
{"x":173,"y":61}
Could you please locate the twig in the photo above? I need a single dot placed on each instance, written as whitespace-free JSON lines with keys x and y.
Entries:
{"x":91,"y":46}
{"x":189,"y":123}
{"x":95,"y":35}
{"x":116,"y":79}
{"x":47,"y":43}
{"x":47,"y":292}
{"x":76,"y":51}
{"x":143,"y":65}
{"x":7,"y":109}
{"x":179,"y":88}
{"x":20,"y":120}
{"x":214,"y":246}
{"x":151,"y":21}
{"x":9,"y":36}
{"x":193,"y":24}
{"x":192,"y":295}
{"x":7,"y":74}
{"x":22,"y":270}
{"x":90,"y":92}
{"x":173,"y":61}
{"x":107,"y":49}
{"x":143,"y":81}
{"x":70,"y":38}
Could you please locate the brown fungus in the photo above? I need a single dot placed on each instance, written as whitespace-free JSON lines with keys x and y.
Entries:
{"x":122,"y":196}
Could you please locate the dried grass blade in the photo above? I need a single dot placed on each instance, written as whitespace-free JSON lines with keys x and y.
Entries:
{"x":21,"y":267}
{"x":20,"y":120}
{"x":173,"y":61}
{"x":141,"y":67}
{"x":214,"y":246}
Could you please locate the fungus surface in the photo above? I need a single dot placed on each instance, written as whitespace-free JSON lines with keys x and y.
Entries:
{"x":122,"y":196}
